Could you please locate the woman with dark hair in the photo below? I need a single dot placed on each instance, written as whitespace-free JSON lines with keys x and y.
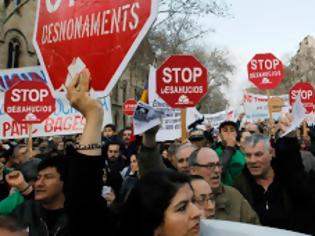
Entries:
{"x":161,"y":204}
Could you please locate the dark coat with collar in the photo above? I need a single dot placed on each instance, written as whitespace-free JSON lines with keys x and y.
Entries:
{"x":290,"y":198}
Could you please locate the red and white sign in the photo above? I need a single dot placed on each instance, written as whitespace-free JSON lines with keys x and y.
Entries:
{"x":181,"y":81}
{"x":129,"y":107}
{"x":265,"y":71}
{"x":103,"y":34}
{"x":307,"y":94}
{"x":29,"y":102}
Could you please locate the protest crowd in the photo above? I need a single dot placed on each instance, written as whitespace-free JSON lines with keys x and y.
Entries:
{"x":105,"y":182}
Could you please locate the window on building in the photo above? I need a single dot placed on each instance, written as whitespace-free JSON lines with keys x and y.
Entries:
{"x":13,"y":53}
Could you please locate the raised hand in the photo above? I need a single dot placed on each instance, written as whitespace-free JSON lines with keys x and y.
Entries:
{"x":16,"y":179}
{"x":78,"y":94}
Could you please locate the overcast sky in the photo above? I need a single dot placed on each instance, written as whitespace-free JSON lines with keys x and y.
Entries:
{"x":260,"y":26}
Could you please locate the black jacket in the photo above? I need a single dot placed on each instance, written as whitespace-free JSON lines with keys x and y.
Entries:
{"x":289,"y":201}
{"x":34,"y":217}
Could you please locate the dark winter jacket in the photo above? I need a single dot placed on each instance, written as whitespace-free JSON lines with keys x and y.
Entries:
{"x":35,"y":218}
{"x":289,"y":201}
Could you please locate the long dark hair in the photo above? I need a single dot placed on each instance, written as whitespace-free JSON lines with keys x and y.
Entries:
{"x":144,"y":209}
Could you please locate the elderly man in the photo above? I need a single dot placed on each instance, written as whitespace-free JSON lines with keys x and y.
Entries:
{"x":181,"y":157}
{"x":278,"y":188}
{"x":230,"y":204}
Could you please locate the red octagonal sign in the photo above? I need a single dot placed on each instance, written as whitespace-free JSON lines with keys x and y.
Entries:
{"x":265,"y":71}
{"x":29,"y":102}
{"x":129,"y":107}
{"x":307,"y":95}
{"x":181,"y":81}
{"x":103,"y":34}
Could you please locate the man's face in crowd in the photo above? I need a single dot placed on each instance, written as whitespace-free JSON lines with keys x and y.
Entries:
{"x":182,"y":157}
{"x":251,"y":128}
{"x":57,"y":140}
{"x":134,"y":164}
{"x":126,"y":135}
{"x":108,"y":132}
{"x":208,"y":166}
{"x":113,"y":152}
{"x":48,"y":186}
{"x":227,"y":132}
{"x":204,"y":197}
{"x":258,"y":159}
{"x":21,"y":156}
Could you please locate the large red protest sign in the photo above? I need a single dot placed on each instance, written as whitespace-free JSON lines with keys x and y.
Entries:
{"x":129,"y":107}
{"x":103,"y":34}
{"x":307,"y":94}
{"x":265,"y":71}
{"x":29,"y":102}
{"x":181,"y":81}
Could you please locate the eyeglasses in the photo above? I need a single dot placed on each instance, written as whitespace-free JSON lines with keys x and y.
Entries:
{"x":202,"y":200}
{"x":210,"y":166}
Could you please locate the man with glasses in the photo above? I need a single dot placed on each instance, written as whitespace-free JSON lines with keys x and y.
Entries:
{"x":203,"y":196}
{"x":230,"y":204}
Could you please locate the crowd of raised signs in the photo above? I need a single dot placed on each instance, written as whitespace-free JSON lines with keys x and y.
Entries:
{"x":110,"y":182}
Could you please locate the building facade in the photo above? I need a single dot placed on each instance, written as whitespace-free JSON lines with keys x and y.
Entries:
{"x":17,"y":19}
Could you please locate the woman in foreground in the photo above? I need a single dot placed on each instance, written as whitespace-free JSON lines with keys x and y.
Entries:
{"x":161,"y":203}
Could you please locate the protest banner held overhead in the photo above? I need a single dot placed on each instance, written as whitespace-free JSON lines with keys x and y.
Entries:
{"x":129,"y":106}
{"x":64,"y":120}
{"x":65,"y":31}
{"x":29,"y":102}
{"x":265,"y":71}
{"x":181,"y":81}
{"x":256,"y":107}
{"x":307,"y":94}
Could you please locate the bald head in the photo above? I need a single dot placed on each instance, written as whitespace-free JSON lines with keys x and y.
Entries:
{"x":205,"y":162}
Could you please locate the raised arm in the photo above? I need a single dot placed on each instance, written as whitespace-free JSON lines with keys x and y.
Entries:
{"x":85,"y":206}
{"x":91,"y":109}
{"x":149,"y":157}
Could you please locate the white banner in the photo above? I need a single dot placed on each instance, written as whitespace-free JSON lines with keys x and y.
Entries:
{"x":215,"y":119}
{"x":230,"y":228}
{"x":256,"y":107}
{"x":64,"y":121}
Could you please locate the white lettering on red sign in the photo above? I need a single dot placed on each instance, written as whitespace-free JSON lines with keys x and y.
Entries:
{"x":104,"y":22}
{"x":176,"y":74}
{"x":32,"y":95}
{"x":261,"y":64}
{"x":305,"y":94}
{"x":52,"y":7}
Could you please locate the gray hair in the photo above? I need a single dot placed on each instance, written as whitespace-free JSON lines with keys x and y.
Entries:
{"x":183,"y":146}
{"x":253,"y":139}
{"x":172,"y":149}
{"x":17,"y":148}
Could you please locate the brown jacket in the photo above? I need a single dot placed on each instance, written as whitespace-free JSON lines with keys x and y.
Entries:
{"x":232,"y":206}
